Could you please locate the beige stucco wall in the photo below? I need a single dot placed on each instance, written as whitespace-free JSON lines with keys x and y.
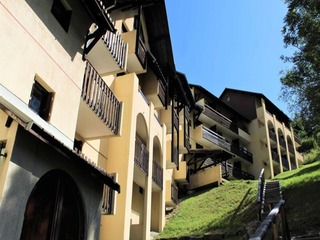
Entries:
{"x":202,"y":178}
{"x":8,"y":135}
{"x":39,"y":45}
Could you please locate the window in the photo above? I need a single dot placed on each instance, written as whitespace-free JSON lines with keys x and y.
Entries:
{"x":62,"y":12}
{"x":40,"y":101}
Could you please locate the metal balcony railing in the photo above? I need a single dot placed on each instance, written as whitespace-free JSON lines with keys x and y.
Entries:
{"x":218,"y":117}
{"x":99,"y":97}
{"x":157,"y":174}
{"x":174,"y":193}
{"x":141,"y":156}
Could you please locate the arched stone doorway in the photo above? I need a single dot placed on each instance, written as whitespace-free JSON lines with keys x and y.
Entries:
{"x":54,"y":209}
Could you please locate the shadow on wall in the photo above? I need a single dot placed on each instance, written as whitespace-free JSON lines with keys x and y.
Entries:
{"x":72,"y":40}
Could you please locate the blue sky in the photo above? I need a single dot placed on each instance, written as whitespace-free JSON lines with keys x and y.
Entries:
{"x":230,"y":43}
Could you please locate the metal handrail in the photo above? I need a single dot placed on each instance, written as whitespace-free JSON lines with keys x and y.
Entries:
{"x":261,"y":182}
{"x":277,"y":212}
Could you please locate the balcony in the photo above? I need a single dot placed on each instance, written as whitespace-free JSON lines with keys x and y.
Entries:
{"x":275,"y":156}
{"x":217,"y":117}
{"x":100,"y":111}
{"x":285,"y":163}
{"x":242,"y":152}
{"x":282,"y":142}
{"x":141,"y":156}
{"x":107,"y":54}
{"x":297,"y":140}
{"x":213,"y":140}
{"x":272,"y":135}
{"x":137,"y":52}
{"x":157,"y":174}
{"x":291,"y":148}
{"x":230,"y":171}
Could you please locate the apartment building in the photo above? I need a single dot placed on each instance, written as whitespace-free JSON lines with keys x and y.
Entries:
{"x":90,"y":103}
{"x":273,"y":142}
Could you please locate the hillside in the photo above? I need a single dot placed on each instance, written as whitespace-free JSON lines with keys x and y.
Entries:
{"x":231,"y":210}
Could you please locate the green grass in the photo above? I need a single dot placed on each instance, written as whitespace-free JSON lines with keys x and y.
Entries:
{"x":216,"y":210}
{"x":301,"y":190}
{"x":232,"y":207}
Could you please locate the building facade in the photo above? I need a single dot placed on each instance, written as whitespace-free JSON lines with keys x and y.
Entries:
{"x":91,"y":103}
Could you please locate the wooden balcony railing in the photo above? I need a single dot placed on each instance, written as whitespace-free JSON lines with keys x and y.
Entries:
{"x":218,"y":117}
{"x":141,"y":51}
{"x":175,"y":119}
{"x":174,"y":193}
{"x":117,"y":47}
{"x":141,"y":156}
{"x":221,"y":142}
{"x":99,"y":97}
{"x":108,"y":200}
{"x":241,"y":152}
{"x":157,"y":174}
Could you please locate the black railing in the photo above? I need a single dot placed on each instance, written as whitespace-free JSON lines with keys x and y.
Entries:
{"x":141,"y":155}
{"x":157,"y":174}
{"x":293,"y":165}
{"x":218,"y":117}
{"x":222,"y":142}
{"x":99,"y":97}
{"x":174,"y":193}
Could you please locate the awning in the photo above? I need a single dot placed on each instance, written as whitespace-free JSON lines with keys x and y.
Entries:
{"x":74,"y":156}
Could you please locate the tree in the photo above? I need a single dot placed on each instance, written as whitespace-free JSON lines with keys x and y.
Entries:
{"x":301,"y":83}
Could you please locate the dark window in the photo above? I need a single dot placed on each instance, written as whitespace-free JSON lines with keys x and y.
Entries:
{"x":54,"y":209}
{"x":40,"y":101}
{"x":62,"y":12}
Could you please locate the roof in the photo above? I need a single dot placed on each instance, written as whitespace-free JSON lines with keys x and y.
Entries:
{"x":271,"y":107}
{"x":76,"y":157}
{"x":209,"y":94}
{"x":182,"y":90}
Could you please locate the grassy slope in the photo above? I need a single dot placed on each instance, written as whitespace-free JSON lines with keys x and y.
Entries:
{"x":231,"y":208}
